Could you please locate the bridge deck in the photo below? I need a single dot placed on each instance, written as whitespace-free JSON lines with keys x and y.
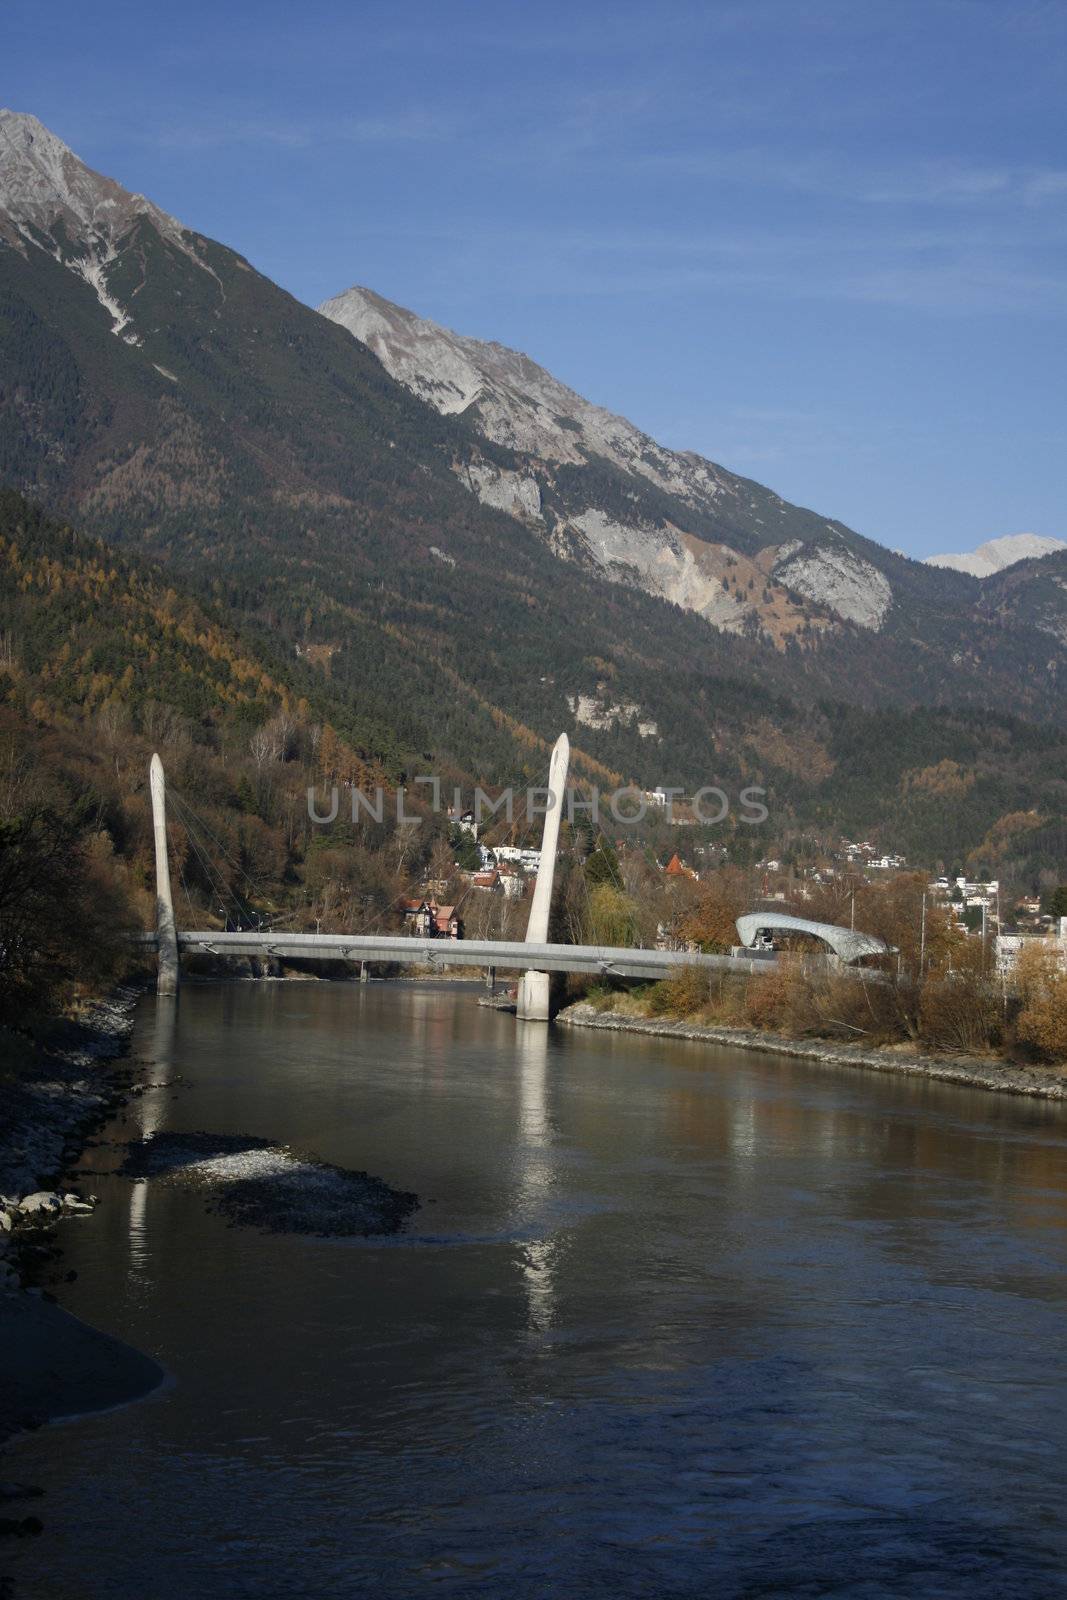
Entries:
{"x":516,"y":955}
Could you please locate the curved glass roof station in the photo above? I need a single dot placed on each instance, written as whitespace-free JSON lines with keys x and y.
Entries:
{"x":846,"y":943}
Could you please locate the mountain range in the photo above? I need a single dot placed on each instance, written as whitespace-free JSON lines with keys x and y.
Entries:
{"x":476,"y":555}
{"x":669,"y":522}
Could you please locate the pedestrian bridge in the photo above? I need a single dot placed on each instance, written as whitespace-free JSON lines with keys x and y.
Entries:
{"x":607,"y":961}
{"x":533,"y":956}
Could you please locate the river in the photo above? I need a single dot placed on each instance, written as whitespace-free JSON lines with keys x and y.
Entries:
{"x":672,"y":1320}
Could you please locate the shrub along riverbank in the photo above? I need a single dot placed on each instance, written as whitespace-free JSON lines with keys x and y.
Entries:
{"x":959,"y":1005}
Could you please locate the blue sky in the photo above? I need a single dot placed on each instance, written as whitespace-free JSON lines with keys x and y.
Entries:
{"x":821,"y":241}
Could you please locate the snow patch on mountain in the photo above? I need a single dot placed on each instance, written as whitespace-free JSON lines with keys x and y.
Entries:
{"x":1054,"y":623}
{"x":836,"y":578}
{"x":93,"y":268}
{"x":996,"y":554}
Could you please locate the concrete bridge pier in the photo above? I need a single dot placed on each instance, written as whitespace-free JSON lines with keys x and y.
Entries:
{"x":533,"y":988}
{"x":533,"y":997}
{"x":168,"y":971}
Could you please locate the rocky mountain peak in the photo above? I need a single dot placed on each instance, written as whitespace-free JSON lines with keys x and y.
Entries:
{"x":50,"y":200}
{"x":512,"y":401}
{"x":43,"y":182}
{"x":430,"y":360}
{"x":996,"y":554}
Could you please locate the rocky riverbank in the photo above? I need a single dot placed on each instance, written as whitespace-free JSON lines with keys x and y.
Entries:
{"x":55,"y":1091}
{"x":1043,"y":1083}
{"x":53,"y":1094}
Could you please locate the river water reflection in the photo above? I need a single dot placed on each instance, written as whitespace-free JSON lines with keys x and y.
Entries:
{"x":670,"y":1321}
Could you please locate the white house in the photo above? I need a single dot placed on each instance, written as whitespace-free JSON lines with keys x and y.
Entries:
{"x":1009,"y":946}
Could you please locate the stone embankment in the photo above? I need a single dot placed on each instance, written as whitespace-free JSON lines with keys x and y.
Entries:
{"x":976,"y":1072}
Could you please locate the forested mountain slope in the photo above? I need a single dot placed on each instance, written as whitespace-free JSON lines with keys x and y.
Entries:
{"x":106,"y":656}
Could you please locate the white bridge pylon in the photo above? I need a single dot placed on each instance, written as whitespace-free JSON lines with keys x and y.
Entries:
{"x":168,"y":972}
{"x":532,"y":1005}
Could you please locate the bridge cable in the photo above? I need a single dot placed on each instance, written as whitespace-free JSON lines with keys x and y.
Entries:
{"x":242,"y":905}
{"x":255,"y":887}
{"x":215,"y":881}
{"x":185,"y":889}
{"x":215,"y":884}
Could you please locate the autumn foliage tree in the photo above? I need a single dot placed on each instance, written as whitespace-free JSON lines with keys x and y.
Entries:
{"x":710,"y":921}
{"x":1042,"y":982}
{"x":960,"y":1008}
{"x":62,"y":912}
{"x":611,"y":917}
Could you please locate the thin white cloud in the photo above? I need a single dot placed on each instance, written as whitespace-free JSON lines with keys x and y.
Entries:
{"x":934,"y":184}
{"x":938,"y":269}
{"x":403,"y":127}
{"x":824,"y":173}
{"x":1050,"y":184}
